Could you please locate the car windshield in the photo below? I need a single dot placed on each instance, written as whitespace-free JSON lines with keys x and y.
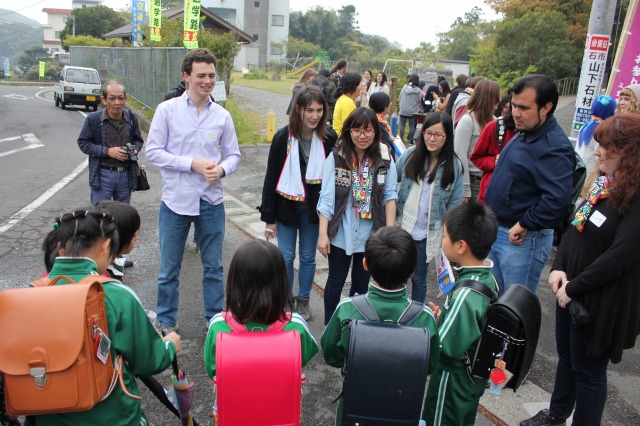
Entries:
{"x":83,"y":76}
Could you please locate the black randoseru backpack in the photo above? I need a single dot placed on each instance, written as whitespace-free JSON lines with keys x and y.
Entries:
{"x":386,"y":368}
{"x":513,"y":319}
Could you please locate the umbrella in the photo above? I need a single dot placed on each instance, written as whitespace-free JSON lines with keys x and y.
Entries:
{"x":181,"y":394}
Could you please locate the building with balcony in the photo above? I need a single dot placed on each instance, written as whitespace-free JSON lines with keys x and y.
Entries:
{"x":56,"y":21}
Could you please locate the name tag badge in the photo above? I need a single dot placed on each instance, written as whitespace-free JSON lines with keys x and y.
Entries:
{"x":212,"y":136}
{"x":381,"y":179}
{"x":597,"y":219}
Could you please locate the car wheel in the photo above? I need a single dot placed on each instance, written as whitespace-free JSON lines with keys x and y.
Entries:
{"x":95,"y":107}
{"x":63,"y":105}
{"x":57,"y":100}
{"x":87,"y":107}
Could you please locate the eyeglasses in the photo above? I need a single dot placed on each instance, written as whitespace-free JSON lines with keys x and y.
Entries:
{"x":359,"y":132}
{"x":438,"y":136}
{"x":114,"y":98}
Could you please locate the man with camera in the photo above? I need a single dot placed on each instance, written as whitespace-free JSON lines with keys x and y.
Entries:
{"x":111,"y":138}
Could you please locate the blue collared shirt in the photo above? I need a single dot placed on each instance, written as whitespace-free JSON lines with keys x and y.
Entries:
{"x":353,"y":232}
{"x":177,"y":136}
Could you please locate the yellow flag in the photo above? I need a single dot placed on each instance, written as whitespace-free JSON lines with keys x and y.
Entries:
{"x":41,"y":69}
{"x":191,"y":23}
{"x":155,"y":19}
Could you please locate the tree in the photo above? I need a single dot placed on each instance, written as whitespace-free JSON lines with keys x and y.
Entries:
{"x":464,"y":37}
{"x":93,"y":21}
{"x":299,"y":46}
{"x":12,"y":46}
{"x":32,"y":56}
{"x":347,"y":20}
{"x":86,"y":40}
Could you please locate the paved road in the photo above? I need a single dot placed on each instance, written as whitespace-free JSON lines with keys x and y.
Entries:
{"x":28,"y":173}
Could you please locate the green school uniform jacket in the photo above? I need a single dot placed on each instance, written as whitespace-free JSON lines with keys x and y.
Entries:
{"x":389,"y":305}
{"x":132,"y":336}
{"x":308,"y":345}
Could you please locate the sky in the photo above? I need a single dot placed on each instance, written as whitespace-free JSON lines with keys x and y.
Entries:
{"x":407,"y":22}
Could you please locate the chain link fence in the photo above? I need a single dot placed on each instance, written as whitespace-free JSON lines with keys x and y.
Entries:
{"x":147,"y":73}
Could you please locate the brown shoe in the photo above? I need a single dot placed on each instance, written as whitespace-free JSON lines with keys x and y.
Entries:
{"x":304,"y":309}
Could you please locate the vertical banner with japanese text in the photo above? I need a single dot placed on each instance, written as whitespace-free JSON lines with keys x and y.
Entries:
{"x":137,"y":20}
{"x":155,"y":19}
{"x":626,"y":67}
{"x":41,"y":74}
{"x":6,"y":67}
{"x":191,"y":23}
{"x":591,"y":76}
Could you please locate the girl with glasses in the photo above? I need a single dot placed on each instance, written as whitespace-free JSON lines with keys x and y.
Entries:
{"x":430,"y":176}
{"x":358,"y":196}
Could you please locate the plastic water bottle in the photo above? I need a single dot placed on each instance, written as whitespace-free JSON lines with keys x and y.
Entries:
{"x":422,"y":423}
{"x":393,"y":122}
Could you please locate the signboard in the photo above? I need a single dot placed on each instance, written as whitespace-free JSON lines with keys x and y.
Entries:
{"x":219,"y":92}
{"x":41,"y":69}
{"x":137,"y":20}
{"x":155,"y":19}
{"x":191,"y":23}
{"x":591,"y":76}
{"x":626,"y":67}
{"x":6,"y":67}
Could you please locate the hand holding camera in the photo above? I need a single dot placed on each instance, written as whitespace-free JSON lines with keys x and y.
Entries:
{"x":131,"y":151}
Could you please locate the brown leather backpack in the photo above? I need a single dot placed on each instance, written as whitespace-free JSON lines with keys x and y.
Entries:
{"x":48,"y":350}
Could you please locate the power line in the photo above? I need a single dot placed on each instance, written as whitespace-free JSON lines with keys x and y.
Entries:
{"x":26,"y":7}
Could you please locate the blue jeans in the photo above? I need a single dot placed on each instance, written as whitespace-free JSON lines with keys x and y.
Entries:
{"x":419,"y":279}
{"x":580,"y":380}
{"x":173,"y":231}
{"x":520,"y":264}
{"x":307,"y":245}
{"x":412,"y":127}
{"x":339,"y":262}
{"x":113,"y":186}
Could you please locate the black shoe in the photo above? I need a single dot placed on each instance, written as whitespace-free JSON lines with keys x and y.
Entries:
{"x":543,"y":418}
{"x":128,"y":263}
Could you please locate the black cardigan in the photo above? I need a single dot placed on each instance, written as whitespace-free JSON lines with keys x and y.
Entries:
{"x":603,"y":268}
{"x":275,"y":206}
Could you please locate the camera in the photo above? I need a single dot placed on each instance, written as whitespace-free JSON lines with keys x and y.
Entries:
{"x":131,"y":151}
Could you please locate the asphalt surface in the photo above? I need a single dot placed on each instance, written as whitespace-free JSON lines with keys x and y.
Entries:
{"x":26,"y":216}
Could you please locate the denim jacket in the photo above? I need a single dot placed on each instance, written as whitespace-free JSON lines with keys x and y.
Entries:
{"x":441,"y":199}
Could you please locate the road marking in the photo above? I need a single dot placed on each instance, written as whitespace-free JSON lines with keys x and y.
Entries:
{"x":17,"y":217}
{"x":31,"y":140}
{"x":43,"y":91}
{"x":19,"y":97}
{"x":10,"y":139}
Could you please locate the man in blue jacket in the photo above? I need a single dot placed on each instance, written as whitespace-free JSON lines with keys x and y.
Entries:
{"x":112,"y":173}
{"x":530,"y":191}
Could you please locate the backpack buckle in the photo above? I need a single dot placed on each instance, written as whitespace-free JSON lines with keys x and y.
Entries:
{"x":39,"y":375}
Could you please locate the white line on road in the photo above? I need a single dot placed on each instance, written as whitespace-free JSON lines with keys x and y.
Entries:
{"x":43,"y":91}
{"x":43,"y":198}
{"x":15,"y":138}
{"x":31,"y":140}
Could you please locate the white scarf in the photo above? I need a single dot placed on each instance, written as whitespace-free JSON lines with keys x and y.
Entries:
{"x":290,"y":183}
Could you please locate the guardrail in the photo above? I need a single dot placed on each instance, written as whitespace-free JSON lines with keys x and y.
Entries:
{"x":567,"y":86}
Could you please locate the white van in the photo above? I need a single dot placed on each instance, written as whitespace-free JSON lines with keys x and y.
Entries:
{"x":78,"y":86}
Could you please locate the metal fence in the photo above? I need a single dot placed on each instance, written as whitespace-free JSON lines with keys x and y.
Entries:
{"x":567,"y":86}
{"x":147,"y":73}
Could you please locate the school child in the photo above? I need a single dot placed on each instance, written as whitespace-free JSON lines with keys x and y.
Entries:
{"x":88,"y":243}
{"x":127,"y":220}
{"x":257,"y":296}
{"x":453,"y":396}
{"x":390,"y":256}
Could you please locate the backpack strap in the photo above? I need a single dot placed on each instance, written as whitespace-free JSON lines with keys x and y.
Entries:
{"x":46,"y":281}
{"x":363,"y":306}
{"x":412,"y":312}
{"x":279,"y":325}
{"x":479,"y":288}
{"x":236,"y":326}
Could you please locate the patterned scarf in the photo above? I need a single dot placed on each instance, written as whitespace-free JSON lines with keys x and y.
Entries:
{"x":361,"y":185}
{"x":599,"y":191}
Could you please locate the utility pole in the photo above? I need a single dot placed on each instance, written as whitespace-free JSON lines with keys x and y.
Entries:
{"x":593,"y":61}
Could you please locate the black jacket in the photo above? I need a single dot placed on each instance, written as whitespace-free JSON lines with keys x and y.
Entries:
{"x":275,"y":206}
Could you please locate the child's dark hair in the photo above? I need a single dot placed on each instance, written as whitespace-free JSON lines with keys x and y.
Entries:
{"x":126,"y":218}
{"x":79,"y":230}
{"x":349,"y":83}
{"x":379,"y":101}
{"x":51,"y":247}
{"x":257,"y":284}
{"x":391,"y":256}
{"x":474,"y":223}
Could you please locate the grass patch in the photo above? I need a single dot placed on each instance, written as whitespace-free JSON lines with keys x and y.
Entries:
{"x":247,"y":125}
{"x":282,"y":87}
{"x":147,"y":112}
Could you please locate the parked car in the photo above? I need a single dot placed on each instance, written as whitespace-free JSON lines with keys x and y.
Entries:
{"x":78,"y":86}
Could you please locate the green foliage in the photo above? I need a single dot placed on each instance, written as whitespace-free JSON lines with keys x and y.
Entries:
{"x":464,"y":37}
{"x":87,"y":40}
{"x":51,"y":72}
{"x":299,"y":46}
{"x":11,"y":45}
{"x":254,"y":75}
{"x":94,"y":21}
{"x":32,"y":56}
